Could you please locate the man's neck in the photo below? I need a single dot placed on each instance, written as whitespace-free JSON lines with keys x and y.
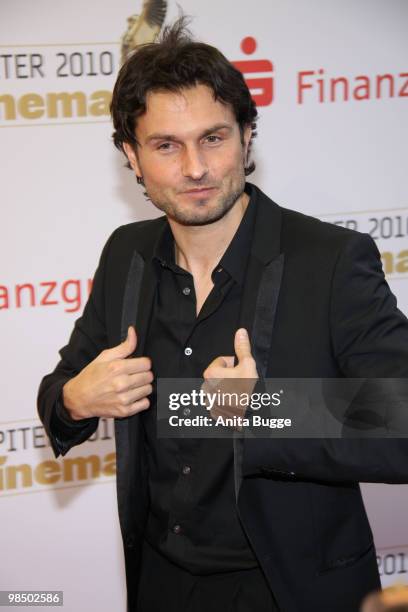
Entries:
{"x":198,"y":248}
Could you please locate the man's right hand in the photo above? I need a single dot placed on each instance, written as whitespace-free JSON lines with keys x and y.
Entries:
{"x":111,"y":385}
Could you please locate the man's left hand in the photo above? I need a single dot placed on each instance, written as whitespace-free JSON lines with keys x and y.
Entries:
{"x":221,"y":375}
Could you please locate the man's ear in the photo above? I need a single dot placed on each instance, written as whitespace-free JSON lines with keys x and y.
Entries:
{"x":247,"y":138}
{"x":132,"y":157}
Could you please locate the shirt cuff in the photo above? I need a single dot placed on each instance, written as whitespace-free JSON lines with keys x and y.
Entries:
{"x":63,"y":422}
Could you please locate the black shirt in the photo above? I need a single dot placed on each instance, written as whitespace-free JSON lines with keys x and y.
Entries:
{"x":193,"y":519}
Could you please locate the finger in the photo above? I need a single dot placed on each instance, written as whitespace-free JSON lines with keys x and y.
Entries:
{"x":140,"y":379}
{"x":218,"y":362}
{"x":206,"y":386}
{"x":124,"y":349}
{"x":219,"y":374}
{"x":210,"y":384}
{"x":126,"y":382}
{"x":242,"y":344}
{"x":138,"y":406}
{"x":133,"y":395}
{"x":134,"y":365}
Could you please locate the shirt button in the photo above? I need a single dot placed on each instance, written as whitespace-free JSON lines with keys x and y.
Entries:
{"x":177,"y":529}
{"x":186,"y":470}
{"x":186,"y":290}
{"x":188,"y":350}
{"x":186,"y":411}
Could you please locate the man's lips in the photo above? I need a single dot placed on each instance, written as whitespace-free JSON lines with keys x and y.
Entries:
{"x":200,"y":191}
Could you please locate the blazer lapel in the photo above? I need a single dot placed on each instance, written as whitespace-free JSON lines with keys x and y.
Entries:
{"x":137,"y":307}
{"x":262,"y":279}
{"x":138,"y":299}
{"x":258,"y":307}
{"x":260,"y":297}
{"x":141,"y":285}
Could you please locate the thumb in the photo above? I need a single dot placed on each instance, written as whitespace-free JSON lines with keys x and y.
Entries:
{"x":242,"y":344}
{"x":125,"y":348}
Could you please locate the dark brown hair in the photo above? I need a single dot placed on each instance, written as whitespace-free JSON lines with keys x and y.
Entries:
{"x":174,"y":63}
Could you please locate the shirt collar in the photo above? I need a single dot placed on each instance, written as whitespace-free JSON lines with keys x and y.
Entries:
{"x":235,"y":257}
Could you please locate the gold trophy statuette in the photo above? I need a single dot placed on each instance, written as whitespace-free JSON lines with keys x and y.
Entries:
{"x":143,"y":28}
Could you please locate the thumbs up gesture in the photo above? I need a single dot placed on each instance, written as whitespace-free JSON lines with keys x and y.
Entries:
{"x":221,"y":375}
{"x":111,"y":385}
{"x":223,"y":367}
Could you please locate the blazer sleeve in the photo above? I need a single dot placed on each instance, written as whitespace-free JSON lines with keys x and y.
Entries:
{"x":87,"y":340}
{"x":370,"y":340}
{"x":369,"y":333}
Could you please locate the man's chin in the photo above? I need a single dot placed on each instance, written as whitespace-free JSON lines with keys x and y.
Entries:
{"x":197,"y":219}
{"x":200,"y":212}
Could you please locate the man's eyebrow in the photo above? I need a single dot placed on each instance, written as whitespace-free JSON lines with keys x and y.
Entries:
{"x":210,"y":130}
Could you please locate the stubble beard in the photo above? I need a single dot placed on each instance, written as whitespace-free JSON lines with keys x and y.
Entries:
{"x":224,"y":204}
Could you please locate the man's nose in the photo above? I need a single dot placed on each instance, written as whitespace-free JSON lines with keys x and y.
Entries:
{"x":194,"y":164}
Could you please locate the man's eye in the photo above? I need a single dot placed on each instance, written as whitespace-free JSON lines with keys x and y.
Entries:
{"x":213,"y":139}
{"x":165,"y":146}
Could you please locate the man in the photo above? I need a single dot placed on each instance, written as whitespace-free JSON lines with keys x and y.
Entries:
{"x":248,"y":524}
{"x":391,"y":599}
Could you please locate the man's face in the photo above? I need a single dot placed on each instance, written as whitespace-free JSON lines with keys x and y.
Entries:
{"x":190,"y":155}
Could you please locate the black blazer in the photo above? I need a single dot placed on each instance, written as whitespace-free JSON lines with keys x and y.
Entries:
{"x":316,"y":305}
